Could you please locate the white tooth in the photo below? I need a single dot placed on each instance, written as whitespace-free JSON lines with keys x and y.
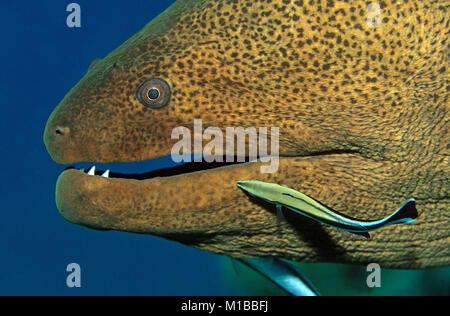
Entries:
{"x":91,"y":172}
{"x":106,"y":174}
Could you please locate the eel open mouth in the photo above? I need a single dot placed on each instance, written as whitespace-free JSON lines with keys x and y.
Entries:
{"x":193,"y":197}
{"x":149,"y":202}
{"x":165,"y":171}
{"x":183,"y":168}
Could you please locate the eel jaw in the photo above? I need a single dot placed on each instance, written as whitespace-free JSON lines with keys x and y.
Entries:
{"x":195,"y":202}
{"x":160,"y":205}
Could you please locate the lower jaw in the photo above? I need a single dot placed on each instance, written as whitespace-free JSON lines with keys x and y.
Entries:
{"x":165,"y":202}
{"x":159,"y":201}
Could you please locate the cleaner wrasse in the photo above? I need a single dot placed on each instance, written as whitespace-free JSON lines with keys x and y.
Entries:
{"x":309,"y":207}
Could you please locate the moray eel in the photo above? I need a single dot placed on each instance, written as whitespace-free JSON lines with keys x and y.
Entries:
{"x":361,"y":106}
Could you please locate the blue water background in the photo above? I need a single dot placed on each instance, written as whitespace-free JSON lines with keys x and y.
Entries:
{"x":41,"y":59}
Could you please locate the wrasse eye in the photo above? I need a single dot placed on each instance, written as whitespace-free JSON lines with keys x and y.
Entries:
{"x":154,"y":93}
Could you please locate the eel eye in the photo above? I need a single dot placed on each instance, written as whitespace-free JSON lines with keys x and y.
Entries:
{"x":154,"y":93}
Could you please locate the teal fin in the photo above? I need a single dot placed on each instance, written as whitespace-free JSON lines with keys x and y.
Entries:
{"x":282,"y":274}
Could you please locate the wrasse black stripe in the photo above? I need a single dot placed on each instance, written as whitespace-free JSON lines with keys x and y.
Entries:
{"x":304,"y":205}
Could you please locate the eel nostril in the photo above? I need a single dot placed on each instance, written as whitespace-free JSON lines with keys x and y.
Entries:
{"x":60,"y":130}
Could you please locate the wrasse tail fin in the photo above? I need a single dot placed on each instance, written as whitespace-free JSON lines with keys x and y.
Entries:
{"x":406,"y":214}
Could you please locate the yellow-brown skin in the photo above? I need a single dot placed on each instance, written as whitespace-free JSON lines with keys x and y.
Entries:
{"x":363,"y":117}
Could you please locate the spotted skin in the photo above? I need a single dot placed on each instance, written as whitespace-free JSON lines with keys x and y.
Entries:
{"x":362,"y":112}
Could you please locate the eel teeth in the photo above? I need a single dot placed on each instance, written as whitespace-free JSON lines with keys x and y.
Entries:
{"x":91,"y":172}
{"x":106,"y":174}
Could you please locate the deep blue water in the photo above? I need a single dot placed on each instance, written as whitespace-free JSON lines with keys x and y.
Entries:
{"x":41,"y":59}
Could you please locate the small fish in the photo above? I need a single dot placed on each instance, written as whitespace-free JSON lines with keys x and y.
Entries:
{"x":307,"y":206}
{"x":282,"y":274}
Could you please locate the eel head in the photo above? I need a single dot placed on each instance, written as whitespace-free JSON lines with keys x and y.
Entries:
{"x":361,"y":112}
